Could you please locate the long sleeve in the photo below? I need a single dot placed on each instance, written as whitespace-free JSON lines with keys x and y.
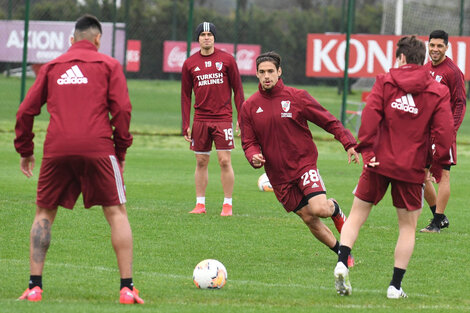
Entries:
{"x":250,"y":144}
{"x":458,"y":96}
{"x":443,"y":130}
{"x":120,"y":109}
{"x":237,"y":86}
{"x":29,"y":108}
{"x":372,"y":115}
{"x":318,"y":115}
{"x":186,"y":90}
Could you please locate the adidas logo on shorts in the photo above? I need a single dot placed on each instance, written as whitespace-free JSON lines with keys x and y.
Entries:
{"x":73,"y":76}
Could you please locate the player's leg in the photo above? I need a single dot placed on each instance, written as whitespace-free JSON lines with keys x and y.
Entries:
{"x":407,"y":221}
{"x":121,"y":239}
{"x":315,"y":225}
{"x":227,"y":178}
{"x":430,"y":194}
{"x":222,"y":134}
{"x":201,"y":179}
{"x":443,"y":195}
{"x":201,"y":145}
{"x":40,"y":239}
{"x":360,"y":211}
{"x":201,"y":175}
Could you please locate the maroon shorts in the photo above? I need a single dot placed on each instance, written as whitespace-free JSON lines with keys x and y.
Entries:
{"x":204,"y":133}
{"x":295,"y":195}
{"x":61,"y":179}
{"x":436,"y":168}
{"x":372,"y":188}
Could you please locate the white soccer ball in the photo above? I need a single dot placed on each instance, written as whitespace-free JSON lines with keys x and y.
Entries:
{"x":209,"y":274}
{"x":264,"y":184}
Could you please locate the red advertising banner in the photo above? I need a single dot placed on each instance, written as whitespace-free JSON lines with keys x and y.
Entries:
{"x":174,"y":55}
{"x":369,"y":54}
{"x":133,"y":56}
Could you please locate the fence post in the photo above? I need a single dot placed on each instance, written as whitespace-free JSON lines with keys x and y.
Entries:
{"x":25,"y":50}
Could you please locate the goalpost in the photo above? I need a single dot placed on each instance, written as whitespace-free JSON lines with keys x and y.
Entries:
{"x":420,"y":17}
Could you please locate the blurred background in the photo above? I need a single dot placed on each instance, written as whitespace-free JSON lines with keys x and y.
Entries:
{"x":280,"y":25}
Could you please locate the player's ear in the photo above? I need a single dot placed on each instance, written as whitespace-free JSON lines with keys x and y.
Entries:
{"x":279,"y":71}
{"x":97,"y":40}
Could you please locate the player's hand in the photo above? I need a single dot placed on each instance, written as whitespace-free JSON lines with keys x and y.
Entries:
{"x":372,"y":163}
{"x":238,"y":131}
{"x":258,"y":160}
{"x":27,"y":165}
{"x":353,"y":156}
{"x":429,"y":177}
{"x":122,"y":163}
{"x":187,"y":137}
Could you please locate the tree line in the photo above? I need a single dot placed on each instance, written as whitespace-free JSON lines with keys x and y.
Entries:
{"x":154,"y":21}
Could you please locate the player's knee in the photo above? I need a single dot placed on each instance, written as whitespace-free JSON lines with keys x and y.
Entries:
{"x":225,"y":163}
{"x":321,"y":209}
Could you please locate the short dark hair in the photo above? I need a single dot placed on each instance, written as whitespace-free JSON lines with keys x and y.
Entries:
{"x":413,"y":49}
{"x":439,"y":34}
{"x":86,"y":22}
{"x":270,"y":56}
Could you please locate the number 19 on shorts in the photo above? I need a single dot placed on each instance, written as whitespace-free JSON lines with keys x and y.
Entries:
{"x":228,"y":134}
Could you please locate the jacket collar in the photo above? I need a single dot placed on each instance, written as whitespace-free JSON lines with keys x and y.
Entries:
{"x":83,"y":44}
{"x":277,"y":89}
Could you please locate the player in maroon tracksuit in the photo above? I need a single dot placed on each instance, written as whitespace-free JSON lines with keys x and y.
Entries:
{"x":446,"y":72}
{"x":275,"y":134}
{"x":405,"y":106}
{"x":84,"y":150}
{"x":212,"y":74}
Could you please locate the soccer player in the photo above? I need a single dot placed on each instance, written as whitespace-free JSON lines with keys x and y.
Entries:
{"x":212,"y":74}
{"x":444,"y":70}
{"x":405,"y":106}
{"x":275,"y":134}
{"x":84,"y":150}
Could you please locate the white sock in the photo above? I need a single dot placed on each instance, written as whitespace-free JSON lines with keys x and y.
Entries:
{"x":228,"y":201}
{"x":201,"y":200}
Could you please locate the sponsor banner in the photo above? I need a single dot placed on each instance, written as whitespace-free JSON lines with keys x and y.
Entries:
{"x":47,"y":40}
{"x":133,"y":56}
{"x":369,"y":54}
{"x":174,"y":55}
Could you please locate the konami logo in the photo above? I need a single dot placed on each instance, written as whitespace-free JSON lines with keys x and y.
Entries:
{"x":370,"y":55}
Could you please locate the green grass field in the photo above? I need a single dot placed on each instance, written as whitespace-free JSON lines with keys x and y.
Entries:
{"x":274,"y":264}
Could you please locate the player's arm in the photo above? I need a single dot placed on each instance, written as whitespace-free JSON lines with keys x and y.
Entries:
{"x":29,"y":108}
{"x":250,"y":143}
{"x":237,"y":86}
{"x":460,"y":102}
{"x":238,"y":94}
{"x":317,"y":114}
{"x":372,"y":116}
{"x":186,"y":91}
{"x":443,"y":130}
{"x":120,"y":110}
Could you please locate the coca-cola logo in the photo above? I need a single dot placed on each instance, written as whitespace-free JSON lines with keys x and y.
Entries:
{"x":245,"y":59}
{"x":177,"y":56}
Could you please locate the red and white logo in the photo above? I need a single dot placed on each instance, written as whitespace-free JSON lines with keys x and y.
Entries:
{"x":218,"y":65}
{"x":285,"y":105}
